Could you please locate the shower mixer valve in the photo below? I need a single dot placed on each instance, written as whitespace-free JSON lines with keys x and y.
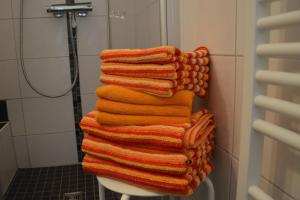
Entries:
{"x":81,"y":9}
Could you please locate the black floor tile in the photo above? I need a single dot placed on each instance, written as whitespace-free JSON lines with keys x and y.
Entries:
{"x":50,"y":183}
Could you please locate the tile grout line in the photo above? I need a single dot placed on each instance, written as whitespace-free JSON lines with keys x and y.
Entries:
{"x":61,"y":178}
{"x":20,"y":93}
{"x":46,"y":179}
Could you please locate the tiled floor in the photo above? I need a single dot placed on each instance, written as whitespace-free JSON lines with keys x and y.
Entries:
{"x":53,"y":182}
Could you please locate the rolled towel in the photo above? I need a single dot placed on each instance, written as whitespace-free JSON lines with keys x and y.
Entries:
{"x":125,"y":95}
{"x":108,"y":106}
{"x":117,"y":119}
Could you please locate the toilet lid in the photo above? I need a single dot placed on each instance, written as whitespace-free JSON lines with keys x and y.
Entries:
{"x":125,"y":188}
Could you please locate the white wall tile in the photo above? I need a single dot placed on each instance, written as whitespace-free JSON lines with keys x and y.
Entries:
{"x":123,"y":32}
{"x":5,"y":9}
{"x":99,"y":7}
{"x":209,"y":23}
{"x":9,"y":80}
{"x":238,"y":105}
{"x":141,"y":6}
{"x":43,"y":37}
{"x":221,"y":174}
{"x":21,"y":149}
{"x":16,"y":118}
{"x":127,"y":6}
{"x":33,"y":8}
{"x":52,"y":149}
{"x":49,"y":75}
{"x":92,"y":35}
{"x":44,"y":115}
{"x":89,"y":73}
{"x":7,"y":43}
{"x":8,"y":165}
{"x":88,"y":102}
{"x":234,"y":177}
{"x":221,"y":98}
{"x":240,"y":29}
{"x":147,"y":26}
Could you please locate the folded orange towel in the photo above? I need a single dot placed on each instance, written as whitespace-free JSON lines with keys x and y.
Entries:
{"x":161,"y":88}
{"x":176,"y":185}
{"x":125,"y":95}
{"x":162,"y":54}
{"x":167,"y":71}
{"x":155,"y":135}
{"x":116,"y":119}
{"x":154,"y":160}
{"x":108,"y":106}
{"x":166,"y":137}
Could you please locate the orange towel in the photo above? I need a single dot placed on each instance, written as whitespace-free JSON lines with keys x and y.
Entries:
{"x":116,"y":119}
{"x":170,"y":71}
{"x":125,"y":95}
{"x":108,"y":106}
{"x":155,"y":135}
{"x":176,"y":185}
{"x":161,"y":88}
{"x":166,"y":137}
{"x":153,"y":160}
{"x":162,"y":54}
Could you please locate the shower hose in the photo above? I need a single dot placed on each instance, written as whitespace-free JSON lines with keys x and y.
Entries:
{"x":71,"y":31}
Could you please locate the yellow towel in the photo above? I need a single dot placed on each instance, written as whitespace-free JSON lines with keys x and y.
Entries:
{"x":120,"y":120}
{"x":133,"y":109}
{"x":125,"y":95}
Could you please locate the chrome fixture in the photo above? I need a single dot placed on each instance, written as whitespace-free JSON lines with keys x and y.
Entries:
{"x":81,"y":9}
{"x":71,"y":9}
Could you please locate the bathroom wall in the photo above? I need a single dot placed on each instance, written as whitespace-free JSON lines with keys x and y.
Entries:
{"x":43,"y":129}
{"x":140,"y":25}
{"x":219,"y":26}
{"x":216,"y":24}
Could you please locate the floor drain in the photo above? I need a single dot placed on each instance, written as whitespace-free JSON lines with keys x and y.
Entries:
{"x":73,"y":196}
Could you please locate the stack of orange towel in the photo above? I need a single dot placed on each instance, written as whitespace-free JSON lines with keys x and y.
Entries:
{"x":160,"y":71}
{"x":150,"y":141}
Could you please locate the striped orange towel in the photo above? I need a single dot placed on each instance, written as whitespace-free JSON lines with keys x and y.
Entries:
{"x":162,"y":54}
{"x":155,"y":135}
{"x":125,"y":95}
{"x":109,"y":106}
{"x":168,"y":137}
{"x":176,"y":185}
{"x":161,"y":88}
{"x":153,"y":160}
{"x":163,"y":161}
{"x":167,"y":71}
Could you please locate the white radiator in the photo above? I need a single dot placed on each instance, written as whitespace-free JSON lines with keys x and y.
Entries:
{"x":255,"y":100}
